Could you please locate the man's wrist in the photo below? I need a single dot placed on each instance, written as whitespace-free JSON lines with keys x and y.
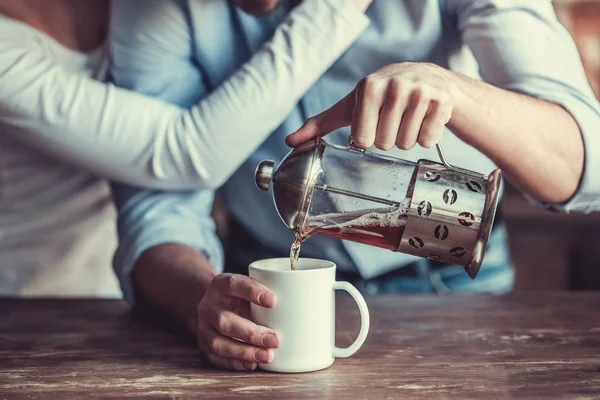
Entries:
{"x":455,"y":83}
{"x":174,"y":277}
{"x":190,"y":315}
{"x":463,"y":97}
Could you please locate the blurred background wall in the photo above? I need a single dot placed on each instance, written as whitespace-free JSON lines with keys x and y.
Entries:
{"x":555,"y":251}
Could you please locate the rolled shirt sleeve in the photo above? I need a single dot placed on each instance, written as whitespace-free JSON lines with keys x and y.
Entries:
{"x":521,"y":46}
{"x":150,"y":218}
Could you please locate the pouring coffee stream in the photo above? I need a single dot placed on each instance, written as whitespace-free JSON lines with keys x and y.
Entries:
{"x":427,"y":209}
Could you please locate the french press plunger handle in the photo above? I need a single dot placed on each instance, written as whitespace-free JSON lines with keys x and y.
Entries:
{"x":440,"y":152}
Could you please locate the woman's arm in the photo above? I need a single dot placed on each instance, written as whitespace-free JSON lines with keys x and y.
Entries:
{"x":142,"y":141}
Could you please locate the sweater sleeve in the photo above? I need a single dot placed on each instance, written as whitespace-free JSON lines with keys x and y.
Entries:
{"x":138,"y":140}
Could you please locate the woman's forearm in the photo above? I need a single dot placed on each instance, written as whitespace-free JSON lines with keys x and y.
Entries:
{"x":143,"y":141}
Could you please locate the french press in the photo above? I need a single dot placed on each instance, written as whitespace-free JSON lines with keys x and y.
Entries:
{"x":427,"y":209}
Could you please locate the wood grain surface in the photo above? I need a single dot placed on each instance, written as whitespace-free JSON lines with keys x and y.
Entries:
{"x":542,"y":345}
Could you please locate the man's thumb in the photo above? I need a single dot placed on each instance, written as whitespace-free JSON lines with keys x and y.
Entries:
{"x":336,"y":117}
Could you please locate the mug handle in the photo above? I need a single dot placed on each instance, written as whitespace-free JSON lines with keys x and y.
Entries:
{"x":365,"y":320}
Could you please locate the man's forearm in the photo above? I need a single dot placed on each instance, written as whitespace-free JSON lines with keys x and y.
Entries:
{"x":537,"y":144}
{"x":174,"y":277}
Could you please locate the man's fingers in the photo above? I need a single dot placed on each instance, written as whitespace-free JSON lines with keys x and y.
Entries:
{"x":227,"y":363}
{"x":336,"y":117}
{"x":369,"y":99}
{"x":413,"y":119}
{"x":241,"y":307}
{"x":308,"y":131}
{"x":213,"y":343}
{"x":246,"y":288}
{"x":232,"y":325}
{"x":433,"y":125}
{"x":390,"y":117}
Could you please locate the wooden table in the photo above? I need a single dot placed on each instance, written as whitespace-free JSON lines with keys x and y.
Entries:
{"x":537,"y":345}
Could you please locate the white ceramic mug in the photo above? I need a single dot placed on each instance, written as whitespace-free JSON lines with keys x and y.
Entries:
{"x":304,"y":316}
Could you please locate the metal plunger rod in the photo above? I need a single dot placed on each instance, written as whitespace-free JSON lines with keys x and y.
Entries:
{"x":358,"y":195}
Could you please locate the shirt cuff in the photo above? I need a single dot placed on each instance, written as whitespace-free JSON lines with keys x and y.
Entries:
{"x":586,"y":112}
{"x":131,"y":249}
{"x":587,"y":197}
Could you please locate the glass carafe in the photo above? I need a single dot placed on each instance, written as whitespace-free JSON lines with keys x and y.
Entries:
{"x":427,"y":209}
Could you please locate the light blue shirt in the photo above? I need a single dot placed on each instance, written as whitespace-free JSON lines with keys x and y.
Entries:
{"x":514,"y":44}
